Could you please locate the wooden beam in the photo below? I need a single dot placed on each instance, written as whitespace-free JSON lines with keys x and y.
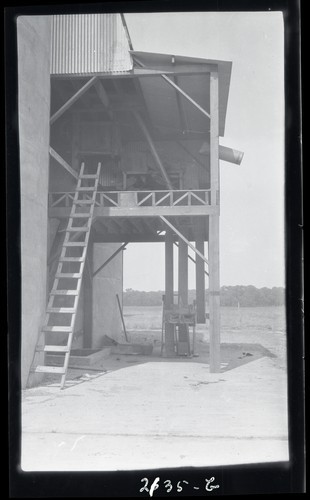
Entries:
{"x":183,"y":273}
{"x":73,"y":99}
{"x":214,"y":267}
{"x":192,"y":156}
{"x":184,"y":94}
{"x":140,"y":94}
{"x":200,"y":285}
{"x":182,"y":114}
{"x":191,"y":258}
{"x":118,"y":224}
{"x":188,"y":70}
{"x":135,"y":225}
{"x":214,"y":138}
{"x":130,"y":237}
{"x":141,"y":73}
{"x":169,"y":288}
{"x":214,"y":295}
{"x":122,"y":317}
{"x":103,"y":96}
{"x":153,"y":149}
{"x":63,"y":163}
{"x":183,"y":238}
{"x":122,"y":247}
{"x":175,"y":211}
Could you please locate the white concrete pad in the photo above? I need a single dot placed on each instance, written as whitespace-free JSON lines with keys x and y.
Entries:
{"x":158,"y":415}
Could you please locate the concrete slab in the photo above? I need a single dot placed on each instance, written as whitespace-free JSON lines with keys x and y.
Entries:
{"x":155,"y":415}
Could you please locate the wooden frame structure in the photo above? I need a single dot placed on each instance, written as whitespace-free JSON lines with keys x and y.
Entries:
{"x":164,"y":214}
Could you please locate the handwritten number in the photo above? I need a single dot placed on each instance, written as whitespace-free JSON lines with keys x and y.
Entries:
{"x":168,"y":486}
{"x":145,"y":488}
{"x":154,"y":486}
{"x":179,"y":487}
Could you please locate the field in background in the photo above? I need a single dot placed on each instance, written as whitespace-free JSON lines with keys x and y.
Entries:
{"x":232,"y":318}
{"x":262,"y":325}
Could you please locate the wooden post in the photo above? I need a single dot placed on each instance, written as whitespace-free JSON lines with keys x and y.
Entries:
{"x":183,"y":286}
{"x":88,"y":298}
{"x":169,"y":328}
{"x":200,"y":285}
{"x":183,"y":273}
{"x":169,"y":269}
{"x":214,"y":274}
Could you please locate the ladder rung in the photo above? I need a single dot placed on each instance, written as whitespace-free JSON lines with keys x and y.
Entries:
{"x":61,"y":310}
{"x":64,"y":292}
{"x":88,"y":176}
{"x":49,"y":369}
{"x":57,"y":329}
{"x":68,"y":275}
{"x":79,"y":216}
{"x":53,"y":348}
{"x":75,"y":244}
{"x":78,"y":229}
{"x":84,"y":202}
{"x":86,"y":188}
{"x":71,"y":259}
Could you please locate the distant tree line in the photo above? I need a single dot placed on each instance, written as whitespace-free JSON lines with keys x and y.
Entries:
{"x":244,"y":296}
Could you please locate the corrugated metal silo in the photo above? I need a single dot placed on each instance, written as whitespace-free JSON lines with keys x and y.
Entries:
{"x":89,"y":43}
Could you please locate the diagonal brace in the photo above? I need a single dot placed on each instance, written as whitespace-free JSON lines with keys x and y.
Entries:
{"x":153,"y":149}
{"x":184,"y":94}
{"x":72,"y":99}
{"x":63,"y":163}
{"x":190,"y":257}
{"x":183,"y":238}
{"x":122,"y":247}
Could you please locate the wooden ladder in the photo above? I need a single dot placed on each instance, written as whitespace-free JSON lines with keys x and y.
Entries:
{"x":76,"y":240}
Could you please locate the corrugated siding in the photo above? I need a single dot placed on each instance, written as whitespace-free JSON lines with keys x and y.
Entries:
{"x":89,"y":43}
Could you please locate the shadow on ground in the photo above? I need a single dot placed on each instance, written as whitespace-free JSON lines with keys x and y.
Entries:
{"x":233,"y":355}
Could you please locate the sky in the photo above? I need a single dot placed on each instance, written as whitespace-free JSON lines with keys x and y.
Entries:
{"x":252,"y":194}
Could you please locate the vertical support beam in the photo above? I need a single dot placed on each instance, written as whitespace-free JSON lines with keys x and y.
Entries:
{"x":214,"y":267}
{"x":183,"y":272}
{"x":76,"y":118}
{"x":169,"y":328}
{"x":88,"y":297}
{"x":214,"y":138}
{"x":200,"y":285}
{"x":169,"y":269}
{"x":183,"y":285}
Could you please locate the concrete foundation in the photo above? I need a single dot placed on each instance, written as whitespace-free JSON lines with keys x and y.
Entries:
{"x":34,"y":111}
{"x":106,"y":319}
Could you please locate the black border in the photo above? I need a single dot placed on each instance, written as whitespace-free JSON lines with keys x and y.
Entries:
{"x":234,"y":480}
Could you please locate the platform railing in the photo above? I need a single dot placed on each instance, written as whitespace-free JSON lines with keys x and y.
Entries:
{"x":137,"y":198}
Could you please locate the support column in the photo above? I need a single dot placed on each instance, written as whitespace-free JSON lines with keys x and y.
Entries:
{"x":183,"y":285}
{"x":214,"y":272}
{"x":214,"y":294}
{"x":169,"y":329}
{"x":200,"y":284}
{"x":169,"y":269}
{"x":183,"y":273}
